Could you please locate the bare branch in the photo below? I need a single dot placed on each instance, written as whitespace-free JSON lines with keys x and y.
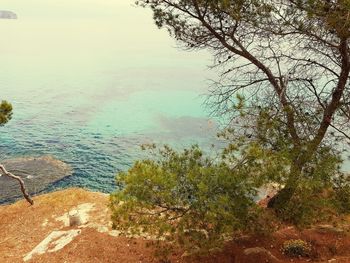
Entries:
{"x":20,"y":181}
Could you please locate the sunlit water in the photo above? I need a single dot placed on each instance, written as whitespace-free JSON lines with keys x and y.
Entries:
{"x":90,"y":81}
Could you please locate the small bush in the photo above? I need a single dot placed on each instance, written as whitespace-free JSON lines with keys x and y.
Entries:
{"x":307,"y":206}
{"x":296,"y":248}
{"x":188,"y":199}
{"x":342,"y":193}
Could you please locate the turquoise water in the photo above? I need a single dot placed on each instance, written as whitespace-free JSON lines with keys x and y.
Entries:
{"x":90,"y":81}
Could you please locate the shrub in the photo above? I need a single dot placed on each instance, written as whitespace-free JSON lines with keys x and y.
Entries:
{"x":193,"y":201}
{"x":316,"y":194}
{"x":296,"y":248}
{"x":197,"y":202}
{"x":307,"y":206}
{"x":341,"y":195}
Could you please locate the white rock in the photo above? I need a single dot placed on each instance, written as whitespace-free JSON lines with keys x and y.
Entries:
{"x":81,"y":211}
{"x":55,"y":241}
{"x":44,"y":224}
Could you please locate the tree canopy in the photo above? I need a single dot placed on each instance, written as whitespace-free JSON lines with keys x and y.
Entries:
{"x":289,"y":59}
{"x":5,"y":112}
{"x":283,"y":88}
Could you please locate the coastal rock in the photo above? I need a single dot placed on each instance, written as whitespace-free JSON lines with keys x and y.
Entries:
{"x":7,"y":15}
{"x":37,"y":173}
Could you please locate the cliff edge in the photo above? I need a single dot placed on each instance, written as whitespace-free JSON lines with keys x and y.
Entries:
{"x":51,"y":231}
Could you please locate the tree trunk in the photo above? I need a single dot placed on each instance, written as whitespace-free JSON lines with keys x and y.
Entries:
{"x":278,"y":201}
{"x":3,"y":171}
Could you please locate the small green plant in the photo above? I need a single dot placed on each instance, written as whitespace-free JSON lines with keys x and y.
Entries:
{"x":296,"y":248}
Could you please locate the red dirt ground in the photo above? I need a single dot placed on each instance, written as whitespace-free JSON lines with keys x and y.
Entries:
{"x":23,"y":227}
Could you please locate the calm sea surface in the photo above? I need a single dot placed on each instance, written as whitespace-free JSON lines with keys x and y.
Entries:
{"x":90,"y":81}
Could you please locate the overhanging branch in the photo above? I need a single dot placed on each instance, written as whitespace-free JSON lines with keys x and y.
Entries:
{"x":3,"y":171}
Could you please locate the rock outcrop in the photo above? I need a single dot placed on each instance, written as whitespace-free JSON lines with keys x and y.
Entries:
{"x":7,"y":15}
{"x":36,"y":172}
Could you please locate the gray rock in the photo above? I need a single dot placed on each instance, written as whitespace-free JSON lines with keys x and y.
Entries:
{"x":7,"y":15}
{"x":260,"y":252}
{"x":36,"y":172}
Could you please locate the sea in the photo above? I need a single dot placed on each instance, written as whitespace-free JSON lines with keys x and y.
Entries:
{"x":91,"y":81}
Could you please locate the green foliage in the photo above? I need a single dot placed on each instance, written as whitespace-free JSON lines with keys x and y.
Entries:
{"x":311,"y":196}
{"x":296,"y":248}
{"x":283,"y":83}
{"x":197,"y":202}
{"x":315,"y":197}
{"x":333,"y":14}
{"x":306,"y":194}
{"x":341,"y":194}
{"x":307,"y":205}
{"x":289,"y":103}
{"x":193,"y":201}
{"x":5,"y":112}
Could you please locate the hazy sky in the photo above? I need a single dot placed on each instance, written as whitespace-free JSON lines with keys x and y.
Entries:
{"x":87,"y":28}
{"x":65,"y":8}
{"x":85,"y":15}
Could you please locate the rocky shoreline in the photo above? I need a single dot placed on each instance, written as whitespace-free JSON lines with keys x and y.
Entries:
{"x":36,"y":172}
